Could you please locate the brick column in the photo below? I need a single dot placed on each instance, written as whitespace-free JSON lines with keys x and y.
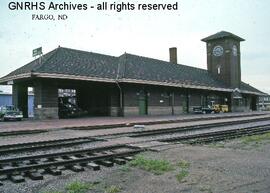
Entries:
{"x":20,"y":98}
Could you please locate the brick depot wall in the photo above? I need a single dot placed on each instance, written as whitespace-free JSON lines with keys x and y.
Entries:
{"x":45,"y":100}
{"x":159,"y":100}
{"x":46,"y":113}
{"x":114,"y":111}
{"x":131,"y":111}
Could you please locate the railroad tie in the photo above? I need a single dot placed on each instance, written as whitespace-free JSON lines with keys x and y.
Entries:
{"x":50,"y":159}
{"x":3,"y":177}
{"x":129,"y":158}
{"x":34,"y":175}
{"x":53,"y":171}
{"x":1,"y":183}
{"x":105,"y":163}
{"x":31,"y":162}
{"x":93,"y":166}
{"x":17,"y":178}
{"x":75,"y":168}
{"x":119,"y":161}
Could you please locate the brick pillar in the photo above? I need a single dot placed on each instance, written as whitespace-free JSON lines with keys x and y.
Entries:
{"x":46,"y":100}
{"x":20,"y":98}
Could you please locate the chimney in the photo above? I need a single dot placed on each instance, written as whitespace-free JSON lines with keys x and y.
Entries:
{"x":173,"y":55}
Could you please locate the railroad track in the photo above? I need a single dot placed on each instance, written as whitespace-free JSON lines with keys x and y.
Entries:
{"x":192,"y":127}
{"x":208,"y":137}
{"x":17,"y":169}
{"x":22,"y":132}
{"x":57,"y":143}
{"x":96,"y":127}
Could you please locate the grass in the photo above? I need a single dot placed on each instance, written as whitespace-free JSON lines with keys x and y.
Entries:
{"x":184,"y":170}
{"x":183,"y":164}
{"x":79,"y":187}
{"x":255,"y":138}
{"x":113,"y":189}
{"x":152,"y":165}
{"x":125,"y":168}
{"x":182,"y":174}
{"x":216,"y":145}
{"x":52,"y":192}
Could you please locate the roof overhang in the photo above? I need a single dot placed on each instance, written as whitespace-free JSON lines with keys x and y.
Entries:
{"x":72,"y":77}
{"x":6,"y":79}
{"x":179,"y":85}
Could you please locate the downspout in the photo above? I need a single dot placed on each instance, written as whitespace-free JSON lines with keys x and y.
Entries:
{"x":120,"y":98}
{"x":172,"y":98}
{"x":120,"y":90}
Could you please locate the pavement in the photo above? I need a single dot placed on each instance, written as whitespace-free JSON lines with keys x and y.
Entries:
{"x":103,"y":122}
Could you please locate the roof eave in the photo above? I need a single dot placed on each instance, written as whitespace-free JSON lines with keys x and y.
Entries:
{"x":179,"y":85}
{"x":6,"y":79}
{"x":250,"y":92}
{"x":72,"y":77}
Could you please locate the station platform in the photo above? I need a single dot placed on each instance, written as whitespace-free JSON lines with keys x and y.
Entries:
{"x":109,"y":122}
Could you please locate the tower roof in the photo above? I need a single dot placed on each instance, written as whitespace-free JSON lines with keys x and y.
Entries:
{"x":222,"y":34}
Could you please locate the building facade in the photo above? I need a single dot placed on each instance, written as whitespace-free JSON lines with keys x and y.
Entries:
{"x":131,"y":85}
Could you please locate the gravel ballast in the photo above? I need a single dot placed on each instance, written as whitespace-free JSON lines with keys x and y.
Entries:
{"x":229,"y":167}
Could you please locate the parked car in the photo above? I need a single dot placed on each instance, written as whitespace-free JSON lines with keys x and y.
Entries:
{"x":67,"y":109}
{"x":203,"y":110}
{"x":9,"y":112}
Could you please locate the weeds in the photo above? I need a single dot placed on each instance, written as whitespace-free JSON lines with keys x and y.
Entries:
{"x":152,"y":165}
{"x":79,"y":187}
{"x":183,"y":164}
{"x":184,"y":170}
{"x":181,"y":175}
{"x":113,"y":189}
{"x":255,"y":138}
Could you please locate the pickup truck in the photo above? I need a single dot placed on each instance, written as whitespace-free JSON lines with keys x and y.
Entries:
{"x":203,"y":110}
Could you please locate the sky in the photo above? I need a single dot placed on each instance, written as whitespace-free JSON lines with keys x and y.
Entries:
{"x":144,"y":33}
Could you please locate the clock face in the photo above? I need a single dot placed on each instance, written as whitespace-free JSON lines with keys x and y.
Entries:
{"x":234,"y":50}
{"x":218,"y":51}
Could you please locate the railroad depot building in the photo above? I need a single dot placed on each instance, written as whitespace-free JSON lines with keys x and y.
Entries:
{"x":131,"y":85}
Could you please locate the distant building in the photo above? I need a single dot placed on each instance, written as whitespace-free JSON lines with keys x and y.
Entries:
{"x":6,"y":99}
{"x":264,"y":102}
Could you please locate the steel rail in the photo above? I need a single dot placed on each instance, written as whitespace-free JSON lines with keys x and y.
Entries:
{"x":64,"y":153}
{"x":217,"y":133}
{"x":19,"y":147}
{"x":193,"y":127}
{"x":45,"y":165}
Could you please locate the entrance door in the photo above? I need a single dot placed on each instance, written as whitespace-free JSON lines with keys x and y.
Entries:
{"x":142,"y":104}
{"x":253,"y":104}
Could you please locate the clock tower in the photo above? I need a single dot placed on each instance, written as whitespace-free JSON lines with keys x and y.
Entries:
{"x":223,"y":57}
